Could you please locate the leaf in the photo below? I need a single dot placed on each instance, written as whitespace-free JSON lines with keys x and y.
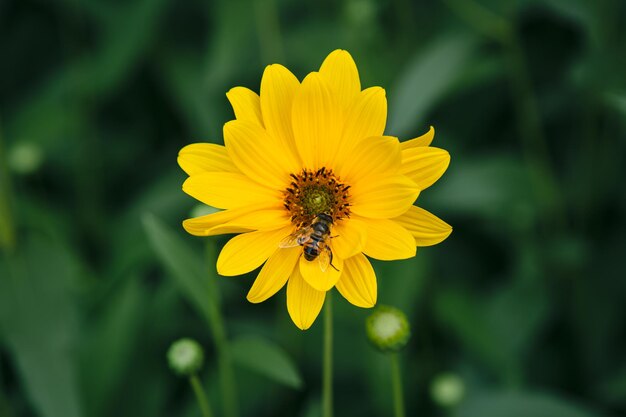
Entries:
{"x":520,"y":404}
{"x":183,"y":263}
{"x":426,"y":79}
{"x":39,"y":323}
{"x":109,"y":346}
{"x":266,"y":358}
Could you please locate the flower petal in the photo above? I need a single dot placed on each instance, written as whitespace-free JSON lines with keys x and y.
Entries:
{"x":426,"y":228}
{"x":205,"y":157}
{"x":366,"y":117}
{"x":348,"y":237}
{"x":258,"y":155}
{"x":424,"y":164}
{"x":227,"y":190}
{"x":274,"y":274}
{"x":318,"y":279}
{"x":316,"y":122}
{"x":383,"y":197}
{"x":358,"y":282}
{"x":278,"y":88}
{"x":246,"y":105}
{"x":247,"y":251}
{"x":374,"y":155}
{"x":388,"y":241}
{"x":269,"y":219}
{"x":342,"y":76}
{"x":424,"y":140}
{"x":304,"y":303}
{"x":244,"y":219}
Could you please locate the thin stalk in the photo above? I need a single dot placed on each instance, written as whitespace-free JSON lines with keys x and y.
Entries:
{"x":268,"y":31}
{"x":327,"y":382}
{"x":396,"y":385}
{"x":203,"y":401}
{"x":7,"y":226}
{"x":541,"y":171}
{"x":218,"y":330}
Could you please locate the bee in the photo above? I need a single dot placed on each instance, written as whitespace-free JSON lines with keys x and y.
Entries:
{"x":314,"y":240}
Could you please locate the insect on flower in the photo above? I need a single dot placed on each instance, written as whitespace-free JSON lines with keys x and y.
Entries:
{"x":313,"y":188}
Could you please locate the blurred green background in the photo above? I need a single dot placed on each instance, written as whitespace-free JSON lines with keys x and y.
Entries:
{"x":523,"y":304}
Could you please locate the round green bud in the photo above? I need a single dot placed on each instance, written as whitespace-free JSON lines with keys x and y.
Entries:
{"x":185,"y":356}
{"x":25,"y":158}
{"x":447,"y":390}
{"x":388,"y":328}
{"x":202,"y":210}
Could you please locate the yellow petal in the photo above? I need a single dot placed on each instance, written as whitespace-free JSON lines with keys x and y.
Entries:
{"x":388,"y":241}
{"x":205,"y":157}
{"x":374,"y":155}
{"x":303,"y":301}
{"x":358,"y":282}
{"x":342,"y":76}
{"x":366,"y":117}
{"x":274,"y":274}
{"x":318,"y":279}
{"x":383,"y":197}
{"x":258,"y":155}
{"x":229,"y":190}
{"x":278,"y":88}
{"x":426,"y":228}
{"x":424,"y":164}
{"x":269,"y":219}
{"x":424,"y":140}
{"x":316,"y":123}
{"x":244,"y":219}
{"x":247,"y":251}
{"x":246,"y":105}
{"x":349,"y":237}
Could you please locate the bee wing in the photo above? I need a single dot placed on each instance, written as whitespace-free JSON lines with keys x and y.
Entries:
{"x":297,"y":238}
{"x":325,"y":257}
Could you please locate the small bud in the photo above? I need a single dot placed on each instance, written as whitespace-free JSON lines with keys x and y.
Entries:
{"x":388,"y":329}
{"x":447,"y":390}
{"x":202,"y":210}
{"x":185,"y":356}
{"x":25,"y":158}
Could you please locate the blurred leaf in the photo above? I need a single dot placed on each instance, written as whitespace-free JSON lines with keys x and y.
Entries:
{"x":617,"y":101}
{"x":39,"y":322}
{"x":464,"y":317}
{"x":520,"y":404}
{"x":266,"y":358}
{"x":426,"y":79}
{"x":183,"y":263}
{"x":487,"y":187}
{"x":109,"y":346}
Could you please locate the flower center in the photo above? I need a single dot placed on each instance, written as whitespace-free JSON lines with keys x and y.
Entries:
{"x":315,"y":192}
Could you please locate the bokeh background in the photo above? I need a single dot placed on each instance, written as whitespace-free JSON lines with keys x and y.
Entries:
{"x":521,"y":310}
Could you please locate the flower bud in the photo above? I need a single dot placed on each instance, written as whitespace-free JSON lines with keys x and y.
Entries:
{"x":185,"y":356}
{"x":447,"y":390}
{"x":388,"y":329}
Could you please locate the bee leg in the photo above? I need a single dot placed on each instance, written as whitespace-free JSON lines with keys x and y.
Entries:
{"x":331,"y":262}
{"x":334,"y":236}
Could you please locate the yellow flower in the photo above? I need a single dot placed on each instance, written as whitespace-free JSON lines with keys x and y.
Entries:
{"x":299,"y":150}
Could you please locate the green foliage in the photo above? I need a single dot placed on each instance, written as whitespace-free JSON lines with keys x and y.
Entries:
{"x":523,"y":302}
{"x":267,"y":359}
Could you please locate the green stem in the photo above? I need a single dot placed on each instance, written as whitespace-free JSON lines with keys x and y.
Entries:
{"x":203,"y":401}
{"x":218,"y":330}
{"x":396,"y":381}
{"x":268,"y":31}
{"x":7,"y":227}
{"x":327,"y":383}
